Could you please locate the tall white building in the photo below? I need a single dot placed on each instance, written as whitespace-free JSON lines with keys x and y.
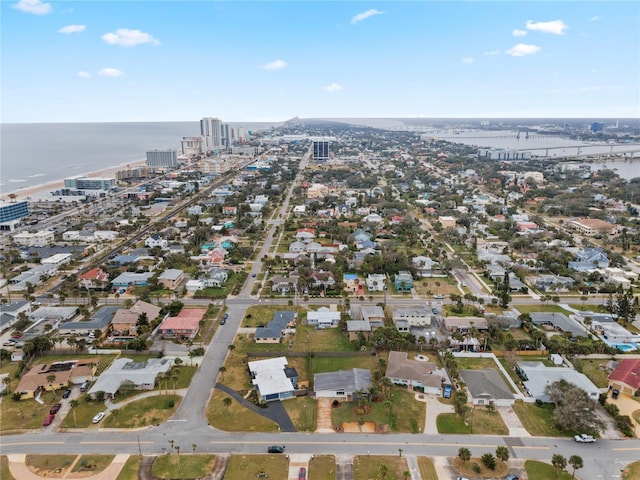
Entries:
{"x":211,"y":131}
{"x":162,"y":159}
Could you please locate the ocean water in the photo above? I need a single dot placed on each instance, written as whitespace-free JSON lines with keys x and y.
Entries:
{"x":37,"y":154}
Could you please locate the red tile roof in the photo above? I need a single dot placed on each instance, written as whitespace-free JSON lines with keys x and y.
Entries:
{"x":627,"y":371}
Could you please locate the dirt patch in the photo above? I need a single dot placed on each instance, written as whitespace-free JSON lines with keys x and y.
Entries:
{"x":355,"y":427}
{"x":59,"y":473}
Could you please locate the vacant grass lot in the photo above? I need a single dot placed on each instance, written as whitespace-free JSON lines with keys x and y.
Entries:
{"x":371,"y":467}
{"x":322,"y":467}
{"x":262,"y":314}
{"x":479,"y":364}
{"x":543,"y":471}
{"x":483,"y":422}
{"x":235,"y":417}
{"x":538,"y":420}
{"x":540,"y":308}
{"x":427,"y":469}
{"x":245,"y":467}
{"x":147,"y":411}
{"x":404,"y":414}
{"x":5,"y":474}
{"x":632,"y":471}
{"x":303,"y":412}
{"x":466,"y":468}
{"x":93,"y":463}
{"x":183,"y":466}
{"x":130,"y":469}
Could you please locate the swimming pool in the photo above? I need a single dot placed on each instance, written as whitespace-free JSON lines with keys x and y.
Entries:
{"x":625,"y":347}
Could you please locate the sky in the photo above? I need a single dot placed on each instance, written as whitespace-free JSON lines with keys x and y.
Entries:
{"x":119,"y":61}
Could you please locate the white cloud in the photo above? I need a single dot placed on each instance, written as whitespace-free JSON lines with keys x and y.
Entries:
{"x":83,"y":74}
{"x":595,"y":18}
{"x":557,"y":27}
{"x":519,"y":33}
{"x":467,"y":60}
{"x":110,"y":72}
{"x":334,"y":87}
{"x":37,"y":7}
{"x":364,"y":15}
{"x":522,"y":49}
{"x":73,"y":29}
{"x":592,"y":88}
{"x":492,"y":53}
{"x":129,"y":38}
{"x":275,"y":65}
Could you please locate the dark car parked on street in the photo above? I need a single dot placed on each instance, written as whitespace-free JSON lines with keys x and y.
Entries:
{"x":276,"y":449}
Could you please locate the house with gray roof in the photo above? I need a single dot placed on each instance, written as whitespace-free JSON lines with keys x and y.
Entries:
{"x":413,"y":374}
{"x":559,"y":322}
{"x":135,"y":279}
{"x":342,"y":384}
{"x":142,"y":375}
{"x":276,"y":328}
{"x":486,"y":387}
{"x":100,"y":320}
{"x":9,"y":312}
{"x":537,"y":376}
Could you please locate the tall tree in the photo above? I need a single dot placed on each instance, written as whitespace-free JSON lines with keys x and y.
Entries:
{"x":559,"y":463}
{"x":576,"y":463}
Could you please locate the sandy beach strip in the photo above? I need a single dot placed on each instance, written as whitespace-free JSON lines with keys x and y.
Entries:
{"x":38,"y":190}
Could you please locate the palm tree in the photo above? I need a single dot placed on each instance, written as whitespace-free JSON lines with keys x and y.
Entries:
{"x":222,"y":370}
{"x":6,"y":381}
{"x":50,"y":379}
{"x":227,"y":402}
{"x":502,"y":453}
{"x":383,"y":471}
{"x":464,"y":454}
{"x":559,"y":462}
{"x":576,"y":462}
{"x":73,"y":404}
{"x":174,"y":377}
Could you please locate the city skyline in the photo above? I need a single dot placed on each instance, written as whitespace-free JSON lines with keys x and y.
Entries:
{"x":270,"y":61}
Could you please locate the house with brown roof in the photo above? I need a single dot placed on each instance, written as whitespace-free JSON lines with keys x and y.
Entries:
{"x":70,"y":372}
{"x":626,"y":376}
{"x":94,"y":278}
{"x":184,"y":326}
{"x":124,"y":321}
{"x":413,"y":374}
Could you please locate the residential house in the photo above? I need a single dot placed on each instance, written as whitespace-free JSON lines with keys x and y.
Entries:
{"x":9,"y":312}
{"x":100,"y":320}
{"x":229,"y":210}
{"x":447,"y":222}
{"x":41,"y":238}
{"x":376,"y":282}
{"x":425,"y":266}
{"x":305,"y":234}
{"x":413,"y":374}
{"x":66,"y":373}
{"x":486,"y":387}
{"x":537,"y":377}
{"x":277,"y":328}
{"x":559,"y":322}
{"x":342,"y":384}
{"x":155,"y":240}
{"x":414,"y":316}
{"x":554,"y":283}
{"x":96,"y":278}
{"x":272,"y":379}
{"x":184,"y":326}
{"x":589,"y":260}
{"x":495,"y":272}
{"x":124,"y":321}
{"x":216,"y":277}
{"x":355,"y":328}
{"x":171,"y":278}
{"x":403,"y":281}
{"x":373,"y":315}
{"x":323,"y":318}
{"x":465,"y":324}
{"x":626,"y":377}
{"x":322,"y":279}
{"x":132,"y":279}
{"x":283,"y":285}
{"x":52,"y":315}
{"x":141,"y":375}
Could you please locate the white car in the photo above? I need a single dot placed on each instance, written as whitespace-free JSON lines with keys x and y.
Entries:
{"x":584,"y":438}
{"x":98,"y":417}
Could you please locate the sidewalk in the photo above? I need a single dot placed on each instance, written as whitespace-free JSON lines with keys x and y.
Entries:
{"x":19,"y":469}
{"x":435,"y":408}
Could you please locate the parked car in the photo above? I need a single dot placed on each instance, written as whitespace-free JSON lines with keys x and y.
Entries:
{"x":302,"y":474}
{"x":84,"y":386}
{"x":66,"y":393}
{"x":98,"y":418}
{"x":462,"y":478}
{"x":55,"y":408}
{"x":48,"y":419}
{"x":584,"y":438}
{"x":254,"y":275}
{"x":447,"y":391}
{"x":439,"y":296}
{"x":512,"y":476}
{"x":276,"y":449}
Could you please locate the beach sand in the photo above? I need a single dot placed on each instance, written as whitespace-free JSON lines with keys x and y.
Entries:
{"x":39,"y":190}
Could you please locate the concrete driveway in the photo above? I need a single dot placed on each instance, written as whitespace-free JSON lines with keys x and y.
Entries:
{"x":627,"y":406}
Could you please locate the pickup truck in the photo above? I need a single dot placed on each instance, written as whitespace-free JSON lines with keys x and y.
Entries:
{"x":584,"y":438}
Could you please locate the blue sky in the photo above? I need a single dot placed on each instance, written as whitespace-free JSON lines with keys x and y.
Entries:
{"x":269,"y":61}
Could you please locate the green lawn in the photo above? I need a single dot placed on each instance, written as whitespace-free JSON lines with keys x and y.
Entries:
{"x":262,"y":314}
{"x":147,"y":411}
{"x":370,"y":467}
{"x":322,"y":467}
{"x":427,"y":469}
{"x":483,"y":422}
{"x":303,"y":412}
{"x":543,"y":471}
{"x":5,"y":474}
{"x":25,"y":414}
{"x":130,"y":469}
{"x":538,"y":420}
{"x":245,"y":467}
{"x":592,"y":369}
{"x":84,"y":413}
{"x":538,"y":307}
{"x":480,"y":363}
{"x":93,"y":463}
{"x":406,"y":414}
{"x":327,"y":340}
{"x":183,"y":466}
{"x":235,"y":417}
